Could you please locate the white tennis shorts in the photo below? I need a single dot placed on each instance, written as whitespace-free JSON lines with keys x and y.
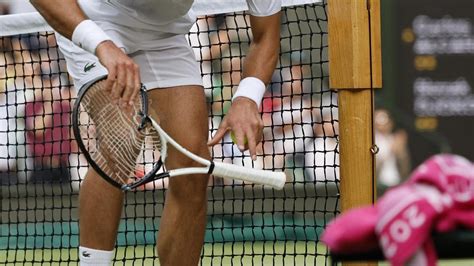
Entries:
{"x":165,"y":59}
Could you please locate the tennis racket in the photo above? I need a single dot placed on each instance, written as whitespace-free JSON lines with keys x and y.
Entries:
{"x":129,"y":148}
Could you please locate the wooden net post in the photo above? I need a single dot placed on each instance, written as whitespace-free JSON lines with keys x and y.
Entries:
{"x":355,"y":71}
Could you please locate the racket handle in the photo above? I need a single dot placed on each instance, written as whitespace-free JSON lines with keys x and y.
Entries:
{"x":275,"y":179}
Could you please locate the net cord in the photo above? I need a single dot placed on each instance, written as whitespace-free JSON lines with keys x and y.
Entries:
{"x":33,"y":22}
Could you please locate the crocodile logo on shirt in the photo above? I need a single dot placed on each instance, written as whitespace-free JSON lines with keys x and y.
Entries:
{"x":86,"y":254}
{"x":88,"y":67}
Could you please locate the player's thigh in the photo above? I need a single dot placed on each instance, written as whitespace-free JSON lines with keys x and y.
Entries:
{"x":172,"y":75}
{"x":182,"y":113}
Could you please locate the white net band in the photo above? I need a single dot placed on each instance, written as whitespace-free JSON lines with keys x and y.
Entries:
{"x":33,"y":22}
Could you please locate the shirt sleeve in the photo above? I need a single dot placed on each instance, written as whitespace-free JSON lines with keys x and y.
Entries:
{"x":263,"y":8}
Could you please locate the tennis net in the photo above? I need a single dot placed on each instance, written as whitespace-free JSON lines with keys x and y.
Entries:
{"x":41,"y":169}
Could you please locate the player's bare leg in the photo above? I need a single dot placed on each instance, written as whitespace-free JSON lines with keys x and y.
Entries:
{"x":100,"y":208}
{"x":183,"y":114}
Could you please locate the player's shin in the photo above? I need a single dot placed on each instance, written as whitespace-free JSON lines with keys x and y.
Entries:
{"x":100,"y":207}
{"x":183,"y":225}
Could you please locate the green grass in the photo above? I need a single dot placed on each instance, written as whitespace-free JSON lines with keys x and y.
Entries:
{"x":38,"y":257}
{"x":238,"y":253}
{"x":265,"y":253}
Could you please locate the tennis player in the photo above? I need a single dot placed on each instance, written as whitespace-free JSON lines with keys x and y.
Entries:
{"x":143,"y":41}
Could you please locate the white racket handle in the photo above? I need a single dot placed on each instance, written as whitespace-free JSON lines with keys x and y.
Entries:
{"x":274,"y":179}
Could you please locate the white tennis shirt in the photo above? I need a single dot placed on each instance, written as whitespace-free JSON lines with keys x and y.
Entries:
{"x":170,"y":16}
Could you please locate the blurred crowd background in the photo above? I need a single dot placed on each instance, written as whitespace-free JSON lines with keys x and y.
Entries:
{"x":299,"y":109}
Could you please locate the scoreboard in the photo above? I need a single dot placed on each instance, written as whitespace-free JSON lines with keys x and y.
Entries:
{"x":435,"y":74}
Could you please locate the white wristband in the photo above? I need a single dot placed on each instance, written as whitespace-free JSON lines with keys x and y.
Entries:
{"x":88,"y":35}
{"x":252,"y":88}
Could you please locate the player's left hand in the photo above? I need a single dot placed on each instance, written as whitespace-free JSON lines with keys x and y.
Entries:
{"x":245,"y":122}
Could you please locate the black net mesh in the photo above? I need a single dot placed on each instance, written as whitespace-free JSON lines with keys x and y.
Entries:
{"x":41,"y":169}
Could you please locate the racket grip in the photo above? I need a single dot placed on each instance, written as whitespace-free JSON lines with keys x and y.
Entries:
{"x":275,"y":179}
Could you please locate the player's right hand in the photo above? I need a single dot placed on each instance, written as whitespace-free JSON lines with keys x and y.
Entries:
{"x":123,"y":80}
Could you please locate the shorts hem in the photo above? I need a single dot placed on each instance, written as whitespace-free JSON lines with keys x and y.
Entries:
{"x":172,"y":83}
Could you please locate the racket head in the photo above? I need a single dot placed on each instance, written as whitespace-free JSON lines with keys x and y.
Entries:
{"x":122,"y":147}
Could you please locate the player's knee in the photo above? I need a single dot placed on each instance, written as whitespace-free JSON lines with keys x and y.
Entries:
{"x":190,"y":185}
{"x":191,"y":188}
{"x":179,"y":160}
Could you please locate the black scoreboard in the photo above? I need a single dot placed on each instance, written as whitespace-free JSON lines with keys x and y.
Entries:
{"x":435,"y":74}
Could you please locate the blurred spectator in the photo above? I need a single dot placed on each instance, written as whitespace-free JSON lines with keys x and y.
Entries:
{"x":322,"y":153}
{"x":42,"y":100}
{"x":8,"y":113}
{"x":48,"y":130}
{"x":393,"y":158}
{"x":218,"y":41}
{"x":13,"y":80}
{"x":287,"y":115}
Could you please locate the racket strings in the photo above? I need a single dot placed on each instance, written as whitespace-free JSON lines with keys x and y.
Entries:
{"x":120,"y":139}
{"x":118,"y":148}
{"x":123,"y":137}
{"x":151,"y":150}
